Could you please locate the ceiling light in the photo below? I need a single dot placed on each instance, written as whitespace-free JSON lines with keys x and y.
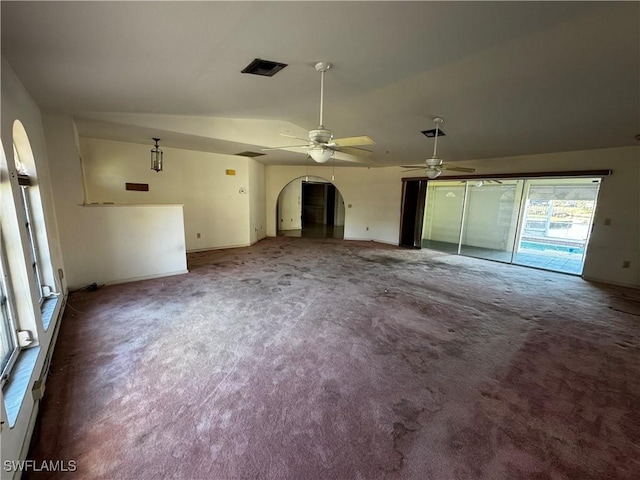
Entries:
{"x":320,"y":154}
{"x":156,"y":157}
{"x":433,"y":173}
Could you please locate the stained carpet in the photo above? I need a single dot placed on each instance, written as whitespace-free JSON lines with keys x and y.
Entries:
{"x":302,"y":358}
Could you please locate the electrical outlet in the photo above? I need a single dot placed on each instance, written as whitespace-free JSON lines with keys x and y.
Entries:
{"x":626,"y":264}
{"x":607,"y":221}
{"x":197,"y":235}
{"x":367,"y":229}
{"x":38,"y":390}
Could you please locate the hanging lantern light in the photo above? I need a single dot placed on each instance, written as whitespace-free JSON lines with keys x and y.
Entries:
{"x":156,"y":157}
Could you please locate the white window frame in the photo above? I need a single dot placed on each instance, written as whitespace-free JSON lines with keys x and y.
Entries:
{"x":31,"y":235}
{"x":7,"y":324}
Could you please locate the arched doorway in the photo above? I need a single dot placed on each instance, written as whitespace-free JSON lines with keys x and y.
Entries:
{"x":310,"y":207}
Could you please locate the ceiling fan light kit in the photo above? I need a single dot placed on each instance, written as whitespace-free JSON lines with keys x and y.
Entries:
{"x":433,"y":173}
{"x":320,"y":154}
{"x":322,"y":145}
{"x":434,"y":166}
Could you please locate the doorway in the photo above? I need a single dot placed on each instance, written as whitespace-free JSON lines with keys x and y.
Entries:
{"x":541,"y":223}
{"x":310,"y":207}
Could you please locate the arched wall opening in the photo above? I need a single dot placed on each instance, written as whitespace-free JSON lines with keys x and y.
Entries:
{"x":310,"y":206}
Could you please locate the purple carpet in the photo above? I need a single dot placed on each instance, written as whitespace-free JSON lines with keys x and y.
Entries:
{"x":327,"y":359}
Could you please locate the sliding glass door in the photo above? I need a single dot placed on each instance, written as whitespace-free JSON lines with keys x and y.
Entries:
{"x":443,"y":216}
{"x":491,"y":218}
{"x":557,"y":220}
{"x":539,"y":223}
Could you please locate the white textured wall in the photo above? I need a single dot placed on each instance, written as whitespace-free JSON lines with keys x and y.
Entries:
{"x":108,"y":244}
{"x":290,"y":206}
{"x":216,"y":205}
{"x":258,"y":221}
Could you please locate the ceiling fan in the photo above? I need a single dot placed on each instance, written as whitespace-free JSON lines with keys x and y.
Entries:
{"x":321,"y":145}
{"x":433,"y":166}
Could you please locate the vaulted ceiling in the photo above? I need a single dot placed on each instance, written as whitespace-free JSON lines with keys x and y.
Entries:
{"x":510,"y":78}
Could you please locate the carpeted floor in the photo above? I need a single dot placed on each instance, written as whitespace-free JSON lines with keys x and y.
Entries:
{"x":303,"y":358}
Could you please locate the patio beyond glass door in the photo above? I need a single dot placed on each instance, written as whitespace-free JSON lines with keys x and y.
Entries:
{"x":538,"y":223}
{"x":557,"y":221}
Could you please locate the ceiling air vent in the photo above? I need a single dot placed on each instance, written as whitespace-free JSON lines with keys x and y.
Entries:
{"x":432,"y":133}
{"x":266,"y":68}
{"x":249,"y":154}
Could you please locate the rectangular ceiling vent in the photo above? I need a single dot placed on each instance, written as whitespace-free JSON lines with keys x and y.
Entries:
{"x":250,"y":154}
{"x":265,"y":68}
{"x":432,"y":133}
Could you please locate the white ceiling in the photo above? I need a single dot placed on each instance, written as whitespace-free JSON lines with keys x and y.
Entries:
{"x":510,"y":78}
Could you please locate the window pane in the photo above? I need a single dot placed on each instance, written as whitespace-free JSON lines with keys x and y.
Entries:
{"x":32,"y":240}
{"x":8,"y":343}
{"x":443,"y":216}
{"x":491,"y":219}
{"x":556,"y":225}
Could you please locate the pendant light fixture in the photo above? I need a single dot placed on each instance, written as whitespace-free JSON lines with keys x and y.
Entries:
{"x":156,"y":157}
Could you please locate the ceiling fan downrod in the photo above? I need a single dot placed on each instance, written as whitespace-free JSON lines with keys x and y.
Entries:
{"x":322,"y":67}
{"x":438,"y":121}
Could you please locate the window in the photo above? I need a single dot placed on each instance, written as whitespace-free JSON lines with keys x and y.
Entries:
{"x":8,"y":340}
{"x":542,"y":223}
{"x":30,"y":215}
{"x":31,"y":235}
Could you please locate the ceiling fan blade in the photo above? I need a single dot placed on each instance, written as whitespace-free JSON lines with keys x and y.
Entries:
{"x":351,"y":141}
{"x":413,"y":169}
{"x":458,"y":169}
{"x":293,"y":136}
{"x":420,"y":166}
{"x":286,"y":146}
{"x":359,"y":152}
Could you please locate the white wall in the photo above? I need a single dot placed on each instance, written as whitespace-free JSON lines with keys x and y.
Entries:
{"x":340,"y":210}
{"x":290,"y":206}
{"x":371,"y":197}
{"x":216,"y":205}
{"x":122,"y":243}
{"x":258,"y":221}
{"x":108,"y":244}
{"x":17,"y":104}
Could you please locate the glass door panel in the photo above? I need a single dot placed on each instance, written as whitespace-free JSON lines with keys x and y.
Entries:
{"x":557,"y":221}
{"x":443,"y":216}
{"x":491,"y":219}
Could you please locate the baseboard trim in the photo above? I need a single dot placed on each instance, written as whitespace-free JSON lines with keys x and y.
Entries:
{"x":607,"y":282}
{"x":146,"y":277}
{"x":395,"y":244}
{"x":224,"y":247}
